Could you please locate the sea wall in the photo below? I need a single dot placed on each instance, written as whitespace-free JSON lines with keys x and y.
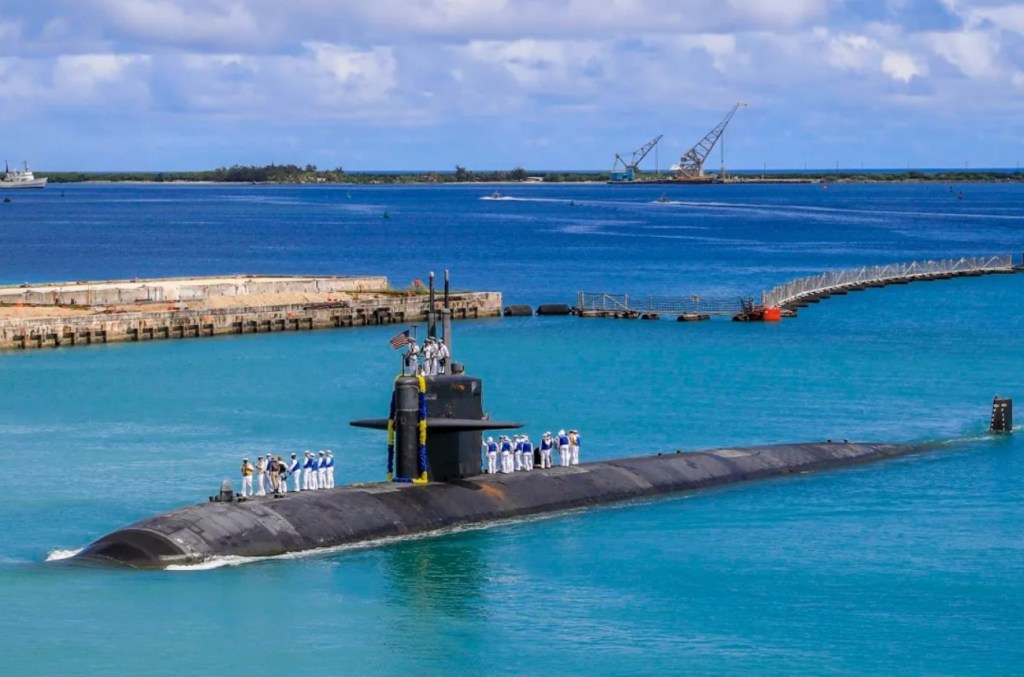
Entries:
{"x":183,"y":289}
{"x":363,"y":303}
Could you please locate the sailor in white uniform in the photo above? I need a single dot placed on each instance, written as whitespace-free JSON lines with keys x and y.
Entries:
{"x":546,"y":445}
{"x":412,"y":358}
{"x":505,"y":447}
{"x":563,"y":448}
{"x":261,"y":470}
{"x":527,"y":453}
{"x":321,"y":470}
{"x":294,"y":469}
{"x":309,"y":472}
{"x":282,"y":476}
{"x":247,"y":471}
{"x":517,"y":442}
{"x":574,"y":447}
{"x":430,"y":356}
{"x":443,"y":357}
{"x":330,"y":469}
{"x":492,"y":456}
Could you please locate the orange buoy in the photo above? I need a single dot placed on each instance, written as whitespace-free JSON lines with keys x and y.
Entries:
{"x":772,"y":314}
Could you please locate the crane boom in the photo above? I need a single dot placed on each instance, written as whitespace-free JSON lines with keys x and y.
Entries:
{"x":691,"y":164}
{"x":632,"y":168}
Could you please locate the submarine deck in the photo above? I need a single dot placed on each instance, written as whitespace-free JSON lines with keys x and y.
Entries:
{"x":366,"y":512}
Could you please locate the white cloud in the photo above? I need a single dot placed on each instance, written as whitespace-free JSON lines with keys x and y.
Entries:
{"x":720,"y":47}
{"x":183,"y":22}
{"x":83,"y":76}
{"x":975,"y":15}
{"x":901,"y":66}
{"x":973,"y":52}
{"x":354,"y":76}
{"x":851,"y":52}
{"x":9,"y":30}
{"x":537,"y":64}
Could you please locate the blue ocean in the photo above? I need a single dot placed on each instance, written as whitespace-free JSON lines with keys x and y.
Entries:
{"x":913,"y":566}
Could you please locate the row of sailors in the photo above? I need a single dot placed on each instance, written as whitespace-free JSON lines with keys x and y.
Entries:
{"x":511,"y":454}
{"x":435,"y":357}
{"x":315,"y":471}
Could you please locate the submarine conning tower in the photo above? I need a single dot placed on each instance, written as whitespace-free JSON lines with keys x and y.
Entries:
{"x":435,"y":421}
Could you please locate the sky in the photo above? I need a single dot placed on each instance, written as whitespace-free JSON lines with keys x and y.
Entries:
{"x":105,"y":85}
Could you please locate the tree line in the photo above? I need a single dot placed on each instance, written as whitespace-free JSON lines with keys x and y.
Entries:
{"x":311,"y":174}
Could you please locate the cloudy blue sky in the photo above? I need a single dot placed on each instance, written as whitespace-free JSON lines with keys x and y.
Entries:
{"x":545,"y":84}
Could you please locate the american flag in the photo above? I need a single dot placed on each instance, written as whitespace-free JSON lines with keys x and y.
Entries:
{"x":399,"y":340}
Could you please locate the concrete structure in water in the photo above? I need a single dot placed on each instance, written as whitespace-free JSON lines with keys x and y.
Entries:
{"x":83,"y":313}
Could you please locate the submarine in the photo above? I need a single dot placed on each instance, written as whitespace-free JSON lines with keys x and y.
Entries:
{"x":435,"y":482}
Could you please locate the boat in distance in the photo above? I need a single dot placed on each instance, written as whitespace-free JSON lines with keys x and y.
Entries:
{"x":21,"y":179}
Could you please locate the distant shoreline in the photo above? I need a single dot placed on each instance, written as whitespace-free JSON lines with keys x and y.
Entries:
{"x":311,"y":175}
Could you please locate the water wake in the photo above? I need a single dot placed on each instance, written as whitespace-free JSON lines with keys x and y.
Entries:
{"x":61,"y":553}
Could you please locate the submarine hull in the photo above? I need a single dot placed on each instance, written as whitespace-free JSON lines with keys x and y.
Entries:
{"x":361,"y":513}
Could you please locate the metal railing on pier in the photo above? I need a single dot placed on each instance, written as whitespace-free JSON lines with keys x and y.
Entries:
{"x":665,"y":305}
{"x":878,"y":275}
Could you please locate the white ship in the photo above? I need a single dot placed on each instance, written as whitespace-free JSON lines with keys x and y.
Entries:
{"x":20,"y":179}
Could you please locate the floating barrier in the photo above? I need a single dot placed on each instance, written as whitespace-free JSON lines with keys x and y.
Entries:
{"x":554,"y":309}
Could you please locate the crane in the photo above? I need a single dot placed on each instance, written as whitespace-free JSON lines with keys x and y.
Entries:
{"x":691,"y":164}
{"x":632,"y":168}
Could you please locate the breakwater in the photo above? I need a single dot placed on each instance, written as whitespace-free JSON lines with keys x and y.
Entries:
{"x":83,"y":313}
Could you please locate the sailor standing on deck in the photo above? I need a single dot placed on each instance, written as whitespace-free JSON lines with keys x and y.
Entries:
{"x":563,"y":449}
{"x":518,"y":453}
{"x":314,"y":472}
{"x":505,"y":447}
{"x":295,"y":470}
{"x":247,"y":471}
{"x":412,"y":358}
{"x":308,"y":472}
{"x":546,"y":445}
{"x":261,"y":469}
{"x":574,"y":447}
{"x":273,"y":475}
{"x":430,"y":356}
{"x":282,"y":470}
{"x":492,"y":456}
{"x":443,"y":356}
{"x":330,"y":469}
{"x":527,"y":453}
{"x":321,"y":470}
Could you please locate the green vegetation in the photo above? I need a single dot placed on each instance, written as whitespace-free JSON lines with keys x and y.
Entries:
{"x":310,"y":174}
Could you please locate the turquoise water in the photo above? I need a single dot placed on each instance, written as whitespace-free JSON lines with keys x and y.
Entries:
{"x":910,"y":566}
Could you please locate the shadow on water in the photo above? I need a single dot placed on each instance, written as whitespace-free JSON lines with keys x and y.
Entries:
{"x":441,"y":574}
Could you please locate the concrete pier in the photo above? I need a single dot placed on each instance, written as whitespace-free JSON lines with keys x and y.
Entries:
{"x":82,"y":313}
